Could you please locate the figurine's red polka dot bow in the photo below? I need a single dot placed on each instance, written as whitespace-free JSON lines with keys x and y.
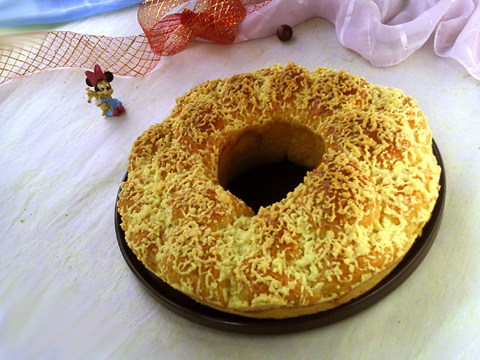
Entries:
{"x":95,"y":76}
{"x":170,"y":27}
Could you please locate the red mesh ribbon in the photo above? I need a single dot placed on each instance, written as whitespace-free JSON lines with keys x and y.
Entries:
{"x":169,"y":27}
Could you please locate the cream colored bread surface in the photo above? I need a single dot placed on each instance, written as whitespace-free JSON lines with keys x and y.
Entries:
{"x":373,"y":185}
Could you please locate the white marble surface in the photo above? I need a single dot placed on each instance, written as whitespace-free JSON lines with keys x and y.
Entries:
{"x":65,"y":289}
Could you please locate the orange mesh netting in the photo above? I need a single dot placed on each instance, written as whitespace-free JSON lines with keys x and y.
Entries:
{"x":169,"y":27}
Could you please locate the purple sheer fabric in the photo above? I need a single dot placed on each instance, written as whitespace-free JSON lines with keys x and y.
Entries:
{"x":385,"y":32}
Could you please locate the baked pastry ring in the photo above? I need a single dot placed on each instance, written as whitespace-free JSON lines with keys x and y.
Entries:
{"x":372,"y":187}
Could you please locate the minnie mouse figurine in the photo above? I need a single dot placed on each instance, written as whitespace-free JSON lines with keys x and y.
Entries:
{"x":103,"y":92}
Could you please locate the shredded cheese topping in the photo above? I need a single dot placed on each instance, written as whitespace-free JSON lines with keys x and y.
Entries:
{"x":373,"y":186}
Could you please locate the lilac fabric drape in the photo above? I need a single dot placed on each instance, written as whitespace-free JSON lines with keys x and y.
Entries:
{"x":385,"y":32}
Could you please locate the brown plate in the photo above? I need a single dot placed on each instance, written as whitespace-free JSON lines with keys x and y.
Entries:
{"x":190,"y":309}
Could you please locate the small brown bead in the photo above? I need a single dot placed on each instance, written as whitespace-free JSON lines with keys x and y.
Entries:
{"x":284,"y":32}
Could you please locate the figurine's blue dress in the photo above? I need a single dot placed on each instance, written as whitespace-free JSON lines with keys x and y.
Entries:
{"x":113,"y":103}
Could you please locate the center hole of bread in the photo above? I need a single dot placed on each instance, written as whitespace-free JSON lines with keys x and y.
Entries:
{"x":261,"y":165}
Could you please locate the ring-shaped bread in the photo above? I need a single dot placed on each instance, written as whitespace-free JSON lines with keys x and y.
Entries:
{"x":373,"y":185}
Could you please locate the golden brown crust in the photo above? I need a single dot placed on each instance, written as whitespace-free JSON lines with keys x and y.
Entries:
{"x":336,"y":235}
